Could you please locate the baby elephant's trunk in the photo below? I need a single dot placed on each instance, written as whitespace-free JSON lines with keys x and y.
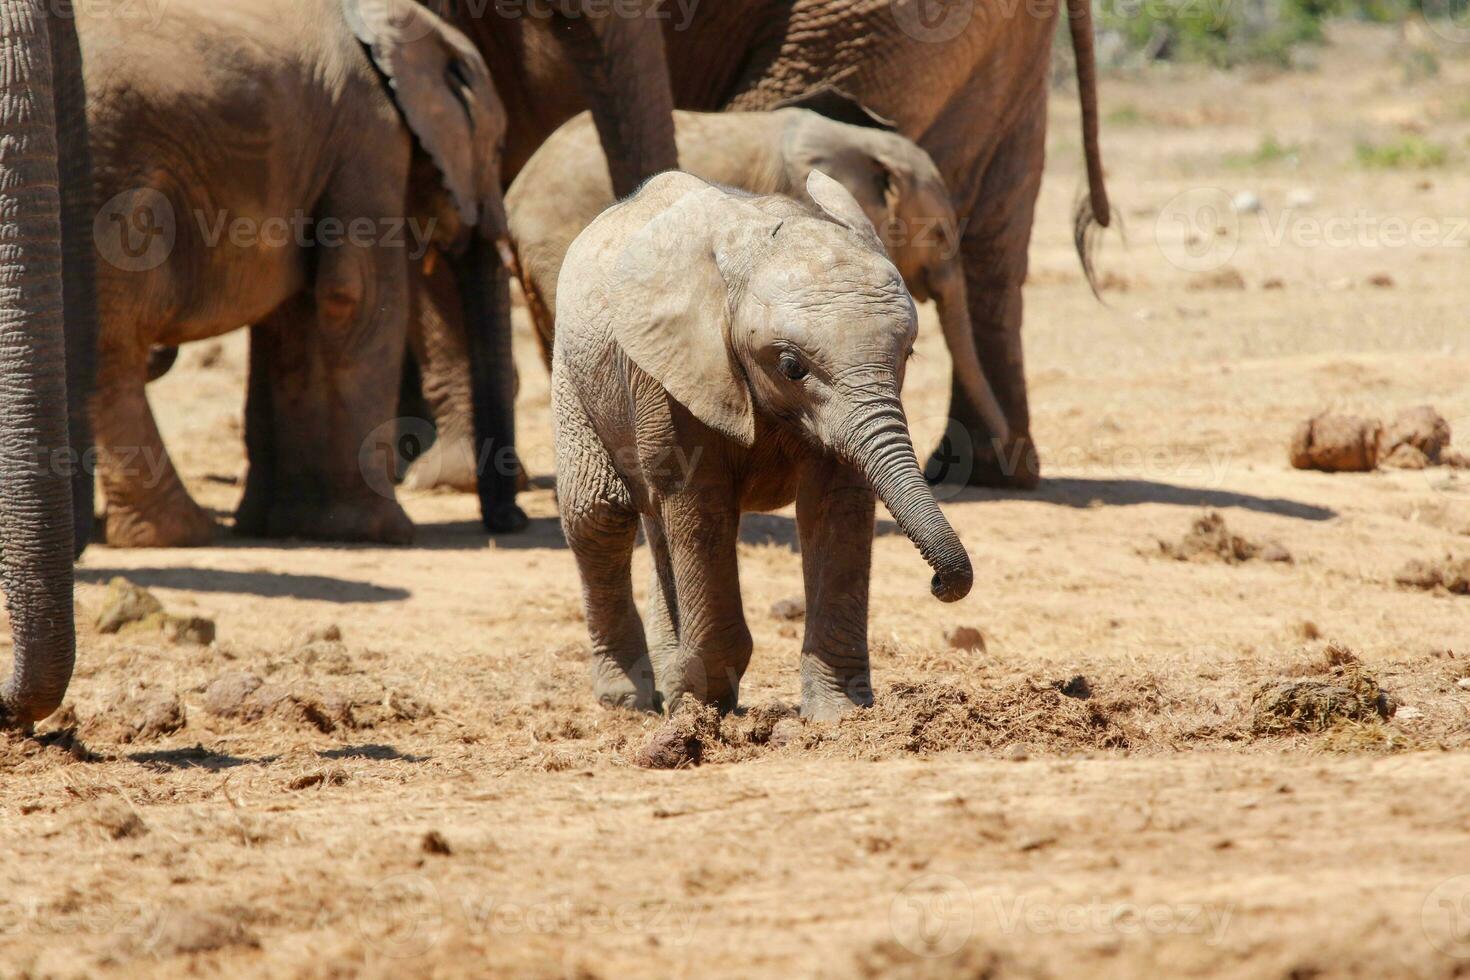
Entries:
{"x":883,"y":450}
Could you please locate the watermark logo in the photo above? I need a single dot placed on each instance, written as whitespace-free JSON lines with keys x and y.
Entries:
{"x":1198,"y":230}
{"x":933,"y":21}
{"x":933,"y":916}
{"x":402,"y":917}
{"x":1445,"y":917}
{"x":1450,"y":19}
{"x":136,"y":230}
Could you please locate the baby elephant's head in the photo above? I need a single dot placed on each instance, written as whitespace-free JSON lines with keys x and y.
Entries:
{"x":806,"y":324}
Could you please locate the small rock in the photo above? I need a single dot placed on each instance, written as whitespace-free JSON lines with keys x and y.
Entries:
{"x":230,"y":695}
{"x":787,"y":731}
{"x":434,"y":843}
{"x":125,"y":603}
{"x":1406,"y":457}
{"x":1228,"y":278}
{"x":1409,"y":713}
{"x":1381,"y":280}
{"x":669,"y":749}
{"x":331,"y":633}
{"x":185,"y":931}
{"x":1016,"y":752}
{"x":1336,"y":444}
{"x":1272,"y":551}
{"x":1274,"y":282}
{"x":792,"y":609}
{"x":1300,"y":197}
{"x":1422,"y":428}
{"x":118,"y":819}
{"x":326,"y":656}
{"x":967,"y":638}
{"x":1309,"y":630}
{"x":143,"y":713}
{"x":1076,"y":686}
{"x":1463,"y":683}
{"x":1246,"y":202}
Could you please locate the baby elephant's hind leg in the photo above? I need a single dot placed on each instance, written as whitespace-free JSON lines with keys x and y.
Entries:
{"x":601,"y":528}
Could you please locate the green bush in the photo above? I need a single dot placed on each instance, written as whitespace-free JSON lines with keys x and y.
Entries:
{"x":1410,"y":152}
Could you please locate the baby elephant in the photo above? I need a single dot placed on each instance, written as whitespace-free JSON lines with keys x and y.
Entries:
{"x":565,"y":185}
{"x":717,"y":353}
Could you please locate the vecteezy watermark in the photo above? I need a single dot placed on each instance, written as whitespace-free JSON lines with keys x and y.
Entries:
{"x":1450,"y":19}
{"x":1445,"y":917}
{"x":1201,"y":229}
{"x":31,"y":916}
{"x":406,"y":915}
{"x":1198,"y":230}
{"x":137,"y":231}
{"x":933,"y":915}
{"x":933,"y":21}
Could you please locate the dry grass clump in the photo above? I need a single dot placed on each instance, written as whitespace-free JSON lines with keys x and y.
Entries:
{"x":1209,"y":539}
{"x":1346,"y":693}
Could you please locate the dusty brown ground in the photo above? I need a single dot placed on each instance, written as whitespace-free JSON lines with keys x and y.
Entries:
{"x":977,"y":822}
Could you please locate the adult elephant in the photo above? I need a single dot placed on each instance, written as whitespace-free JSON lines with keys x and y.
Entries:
{"x":46,"y":292}
{"x":550,"y":59}
{"x":967,"y":81}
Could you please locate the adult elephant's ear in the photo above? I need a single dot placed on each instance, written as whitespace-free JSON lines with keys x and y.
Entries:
{"x":837,"y":105}
{"x":841,"y":206}
{"x":672,"y":307}
{"x":444,"y":91}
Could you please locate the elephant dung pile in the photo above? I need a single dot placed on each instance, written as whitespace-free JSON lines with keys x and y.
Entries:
{"x":1209,"y":539}
{"x":1417,"y":438}
{"x":133,"y":611}
{"x":1451,"y":574}
{"x":1347,"y":693}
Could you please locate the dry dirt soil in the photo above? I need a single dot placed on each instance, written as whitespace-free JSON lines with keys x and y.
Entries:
{"x":434,"y":793}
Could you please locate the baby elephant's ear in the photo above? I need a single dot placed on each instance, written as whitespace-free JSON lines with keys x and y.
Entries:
{"x":841,"y":206}
{"x":672,"y":314}
{"x":441,"y":85}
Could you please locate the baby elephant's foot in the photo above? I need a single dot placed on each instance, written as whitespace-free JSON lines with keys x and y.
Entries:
{"x":688,"y":677}
{"x":828,"y":694}
{"x":177,"y":523}
{"x":373,"y":520}
{"x":617,"y":687}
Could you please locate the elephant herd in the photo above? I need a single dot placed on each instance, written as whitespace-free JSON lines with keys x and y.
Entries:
{"x":357,"y":181}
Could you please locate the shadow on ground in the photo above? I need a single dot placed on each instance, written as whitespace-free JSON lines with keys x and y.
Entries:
{"x":322,"y":588}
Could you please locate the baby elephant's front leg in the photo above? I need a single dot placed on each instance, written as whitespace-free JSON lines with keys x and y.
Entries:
{"x":834,"y":515}
{"x":714,"y":644}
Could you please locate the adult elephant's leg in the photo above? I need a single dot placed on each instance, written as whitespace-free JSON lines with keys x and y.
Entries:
{"x":147,"y":505}
{"x":252,"y":517}
{"x":834,"y":516}
{"x":440,"y":347}
{"x":334,"y":376}
{"x":994,"y":251}
{"x":714,"y":642}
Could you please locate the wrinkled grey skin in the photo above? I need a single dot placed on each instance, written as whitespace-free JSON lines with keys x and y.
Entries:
{"x":260,"y":115}
{"x":565,"y":185}
{"x":719,"y":353}
{"x":40,"y":91}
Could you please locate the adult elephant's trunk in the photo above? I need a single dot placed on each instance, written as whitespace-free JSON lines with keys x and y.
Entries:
{"x":35,"y":494}
{"x":625,"y":79}
{"x":484,"y":291}
{"x":880,"y":446}
{"x":79,"y":266}
{"x":947,"y":284}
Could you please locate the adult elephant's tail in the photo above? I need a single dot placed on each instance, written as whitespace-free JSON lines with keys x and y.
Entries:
{"x":1093,"y":211}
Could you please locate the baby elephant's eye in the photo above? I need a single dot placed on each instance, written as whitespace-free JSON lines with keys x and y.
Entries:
{"x":792,"y":367}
